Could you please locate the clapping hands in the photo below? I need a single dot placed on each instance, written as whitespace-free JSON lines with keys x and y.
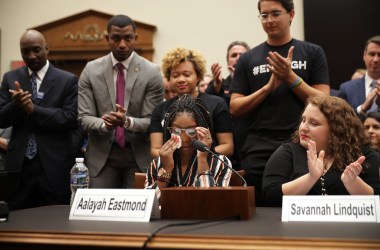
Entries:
{"x":22,"y":98}
{"x":114,"y":119}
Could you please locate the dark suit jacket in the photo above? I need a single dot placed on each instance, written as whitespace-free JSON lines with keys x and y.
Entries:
{"x":353,"y":92}
{"x":52,"y":122}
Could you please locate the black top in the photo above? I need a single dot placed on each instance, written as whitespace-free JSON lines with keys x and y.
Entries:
{"x":289,"y":162}
{"x":224,"y":90}
{"x":279,"y":114}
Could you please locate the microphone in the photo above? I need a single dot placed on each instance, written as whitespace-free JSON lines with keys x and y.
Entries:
{"x":202,"y":147}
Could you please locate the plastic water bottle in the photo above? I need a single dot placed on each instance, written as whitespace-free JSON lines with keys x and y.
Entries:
{"x":79,"y":177}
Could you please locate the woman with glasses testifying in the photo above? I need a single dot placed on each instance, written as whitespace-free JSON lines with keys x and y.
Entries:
{"x":184,"y":70}
{"x":179,"y":163}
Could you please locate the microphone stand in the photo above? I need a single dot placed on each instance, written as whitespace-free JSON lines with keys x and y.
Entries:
{"x":202,"y":147}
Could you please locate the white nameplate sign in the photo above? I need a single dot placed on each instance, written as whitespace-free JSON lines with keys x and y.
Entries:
{"x":334,"y":208}
{"x":138,"y":205}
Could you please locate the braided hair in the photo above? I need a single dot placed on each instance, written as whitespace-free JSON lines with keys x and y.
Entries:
{"x":194,"y":107}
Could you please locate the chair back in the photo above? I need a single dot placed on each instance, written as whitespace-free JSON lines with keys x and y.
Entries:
{"x":140,"y":180}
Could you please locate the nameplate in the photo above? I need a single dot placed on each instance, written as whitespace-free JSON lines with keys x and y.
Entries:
{"x":138,"y":205}
{"x":334,"y":208}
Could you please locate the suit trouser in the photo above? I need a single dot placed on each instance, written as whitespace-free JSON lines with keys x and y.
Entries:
{"x":33,"y":189}
{"x":118,"y":171}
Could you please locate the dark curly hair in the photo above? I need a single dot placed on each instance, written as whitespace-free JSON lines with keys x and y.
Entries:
{"x":347,"y":135}
{"x":179,"y":55}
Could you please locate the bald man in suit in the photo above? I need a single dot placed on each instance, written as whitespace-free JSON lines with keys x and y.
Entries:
{"x":41,"y":146}
{"x":112,"y":163}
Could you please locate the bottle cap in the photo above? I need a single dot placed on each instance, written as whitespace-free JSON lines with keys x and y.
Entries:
{"x":79,"y":160}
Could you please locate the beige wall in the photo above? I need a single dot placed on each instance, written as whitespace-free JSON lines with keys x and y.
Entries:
{"x":205,"y":25}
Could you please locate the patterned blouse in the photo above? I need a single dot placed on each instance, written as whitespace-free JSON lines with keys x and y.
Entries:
{"x":219,"y":175}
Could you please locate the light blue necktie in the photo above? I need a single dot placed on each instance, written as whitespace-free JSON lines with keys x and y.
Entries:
{"x":374,"y":107}
{"x":31,"y":149}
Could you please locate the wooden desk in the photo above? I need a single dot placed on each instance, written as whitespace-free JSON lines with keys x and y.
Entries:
{"x":50,"y":228}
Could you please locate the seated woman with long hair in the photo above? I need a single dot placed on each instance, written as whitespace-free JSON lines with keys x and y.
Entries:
{"x":179,"y":163}
{"x":330,"y":154}
{"x":372,"y":126}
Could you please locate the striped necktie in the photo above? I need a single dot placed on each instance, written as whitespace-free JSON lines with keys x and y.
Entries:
{"x":31,"y":149}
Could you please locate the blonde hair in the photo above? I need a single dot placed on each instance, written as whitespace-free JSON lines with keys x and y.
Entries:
{"x":178,"y":55}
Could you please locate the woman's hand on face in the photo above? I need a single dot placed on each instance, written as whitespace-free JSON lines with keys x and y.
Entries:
{"x":315,"y":161}
{"x":204,"y":136}
{"x":167,"y":150}
{"x":352,"y":171}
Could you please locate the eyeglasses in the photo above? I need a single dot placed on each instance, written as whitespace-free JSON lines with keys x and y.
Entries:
{"x":275,"y":15}
{"x":191,"y":132}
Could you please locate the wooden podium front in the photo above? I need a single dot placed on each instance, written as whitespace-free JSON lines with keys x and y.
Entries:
{"x":207,"y":202}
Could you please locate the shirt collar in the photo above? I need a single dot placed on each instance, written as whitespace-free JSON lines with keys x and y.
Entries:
{"x":126,"y":62}
{"x":42,"y":72}
{"x":368,"y":80}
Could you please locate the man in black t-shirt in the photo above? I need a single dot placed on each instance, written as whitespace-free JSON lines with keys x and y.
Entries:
{"x":271,"y":83}
{"x":221,"y":87}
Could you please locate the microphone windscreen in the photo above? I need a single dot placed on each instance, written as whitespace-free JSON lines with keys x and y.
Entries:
{"x":198,"y":145}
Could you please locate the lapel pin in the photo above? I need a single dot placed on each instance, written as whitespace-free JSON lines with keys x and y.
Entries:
{"x":40,"y":95}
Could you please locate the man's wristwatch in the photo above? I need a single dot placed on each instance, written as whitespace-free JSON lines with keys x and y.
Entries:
{"x":127,"y":122}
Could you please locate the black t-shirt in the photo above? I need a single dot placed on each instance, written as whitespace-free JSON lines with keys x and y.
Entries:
{"x":279,"y":114}
{"x":224,"y":90}
{"x":217,"y":107}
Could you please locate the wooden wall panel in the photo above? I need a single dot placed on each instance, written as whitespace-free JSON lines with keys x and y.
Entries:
{"x":77,"y":39}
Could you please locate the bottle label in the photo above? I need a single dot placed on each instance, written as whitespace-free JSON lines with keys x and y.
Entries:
{"x":79,"y":179}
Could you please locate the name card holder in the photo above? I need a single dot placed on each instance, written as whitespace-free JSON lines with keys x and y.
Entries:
{"x":137,"y":205}
{"x":333,"y":208}
{"x":197,"y":203}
